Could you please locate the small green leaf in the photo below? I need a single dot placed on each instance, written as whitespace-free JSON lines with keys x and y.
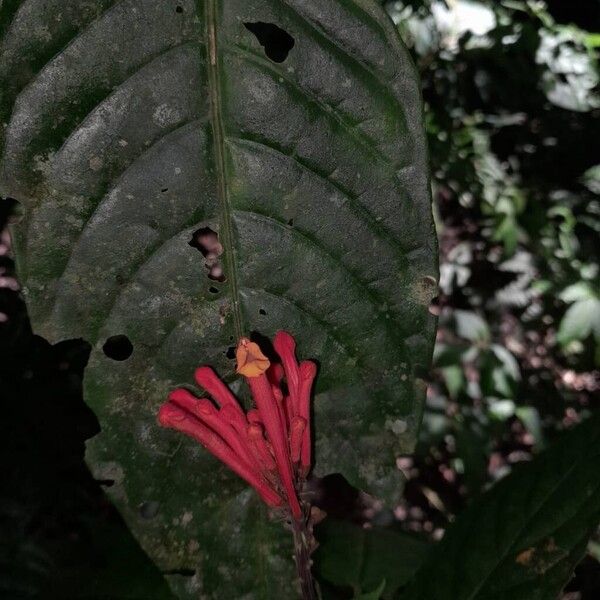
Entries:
{"x":509,"y":362}
{"x":471,"y":326}
{"x":350,"y":556}
{"x":522,"y":539}
{"x":507,"y":232}
{"x":501,"y":409}
{"x":454,"y":379}
{"x":530,"y":417}
{"x":578,"y":291}
{"x":591,"y":178}
{"x":592,"y":40}
{"x":581,"y":319}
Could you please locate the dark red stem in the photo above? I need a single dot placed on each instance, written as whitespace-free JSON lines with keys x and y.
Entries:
{"x":303,"y":543}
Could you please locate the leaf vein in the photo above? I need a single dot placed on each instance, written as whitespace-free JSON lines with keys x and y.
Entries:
{"x":356,"y":281}
{"x":327,"y":109}
{"x":343,"y":54}
{"x":324,"y":325}
{"x":211,"y":24}
{"x":70,"y":42}
{"x":510,"y":548}
{"x":354,"y":200}
{"x":105,"y":197}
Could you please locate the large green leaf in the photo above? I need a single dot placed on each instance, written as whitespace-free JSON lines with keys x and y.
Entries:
{"x":523,"y":538}
{"x":132,"y":124}
{"x":350,"y":556}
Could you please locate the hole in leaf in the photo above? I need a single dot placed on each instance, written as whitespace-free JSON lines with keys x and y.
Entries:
{"x":118,"y":347}
{"x":291,"y":222}
{"x":230,"y":354}
{"x":164,"y":190}
{"x":105,"y":482}
{"x":11,"y":211}
{"x":206,"y":241}
{"x":148,"y":510}
{"x":276,"y":41}
{"x":434,"y":307}
{"x":182,"y":572}
{"x":262,"y":311}
{"x":216,"y":273}
{"x":213,"y":290}
{"x":179,"y":9}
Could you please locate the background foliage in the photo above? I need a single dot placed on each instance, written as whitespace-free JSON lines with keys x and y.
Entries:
{"x":512,"y":107}
{"x":511,"y":92}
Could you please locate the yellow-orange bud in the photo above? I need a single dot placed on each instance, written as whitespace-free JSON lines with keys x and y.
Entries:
{"x":251,"y":362}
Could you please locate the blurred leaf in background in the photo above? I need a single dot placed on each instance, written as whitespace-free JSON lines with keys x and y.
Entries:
{"x":513,"y":121}
{"x":521,"y":538}
{"x":524,"y":536}
{"x":362,"y":560}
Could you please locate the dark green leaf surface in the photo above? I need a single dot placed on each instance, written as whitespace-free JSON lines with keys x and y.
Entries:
{"x":131,"y":124}
{"x":375,"y":594}
{"x":352,"y":557}
{"x":523,"y":538}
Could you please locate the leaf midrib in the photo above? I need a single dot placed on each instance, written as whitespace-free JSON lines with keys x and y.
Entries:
{"x":226,"y":232}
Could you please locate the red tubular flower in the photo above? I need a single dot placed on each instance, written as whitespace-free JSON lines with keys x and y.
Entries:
{"x":250,"y":364}
{"x":275,"y":373}
{"x":265,"y":458}
{"x":206,"y":412}
{"x":236,"y":418}
{"x":253,"y":416}
{"x":270,"y":446}
{"x":296,"y":438}
{"x":177,"y":418}
{"x":285,"y":346}
{"x":308,"y":372}
{"x":209,"y":380}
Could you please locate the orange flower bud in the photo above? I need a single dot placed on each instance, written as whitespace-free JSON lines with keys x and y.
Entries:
{"x":251,"y":362}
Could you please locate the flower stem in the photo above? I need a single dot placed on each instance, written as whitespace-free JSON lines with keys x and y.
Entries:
{"x":303,"y":545}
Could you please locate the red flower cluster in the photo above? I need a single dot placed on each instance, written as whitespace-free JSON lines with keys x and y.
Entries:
{"x":269,"y":446}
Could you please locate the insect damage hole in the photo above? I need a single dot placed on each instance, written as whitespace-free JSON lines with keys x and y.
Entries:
{"x":105,"y":482}
{"x":276,"y":41}
{"x":206,"y":241}
{"x":181,"y":572}
{"x":435,"y":307}
{"x":118,"y":347}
